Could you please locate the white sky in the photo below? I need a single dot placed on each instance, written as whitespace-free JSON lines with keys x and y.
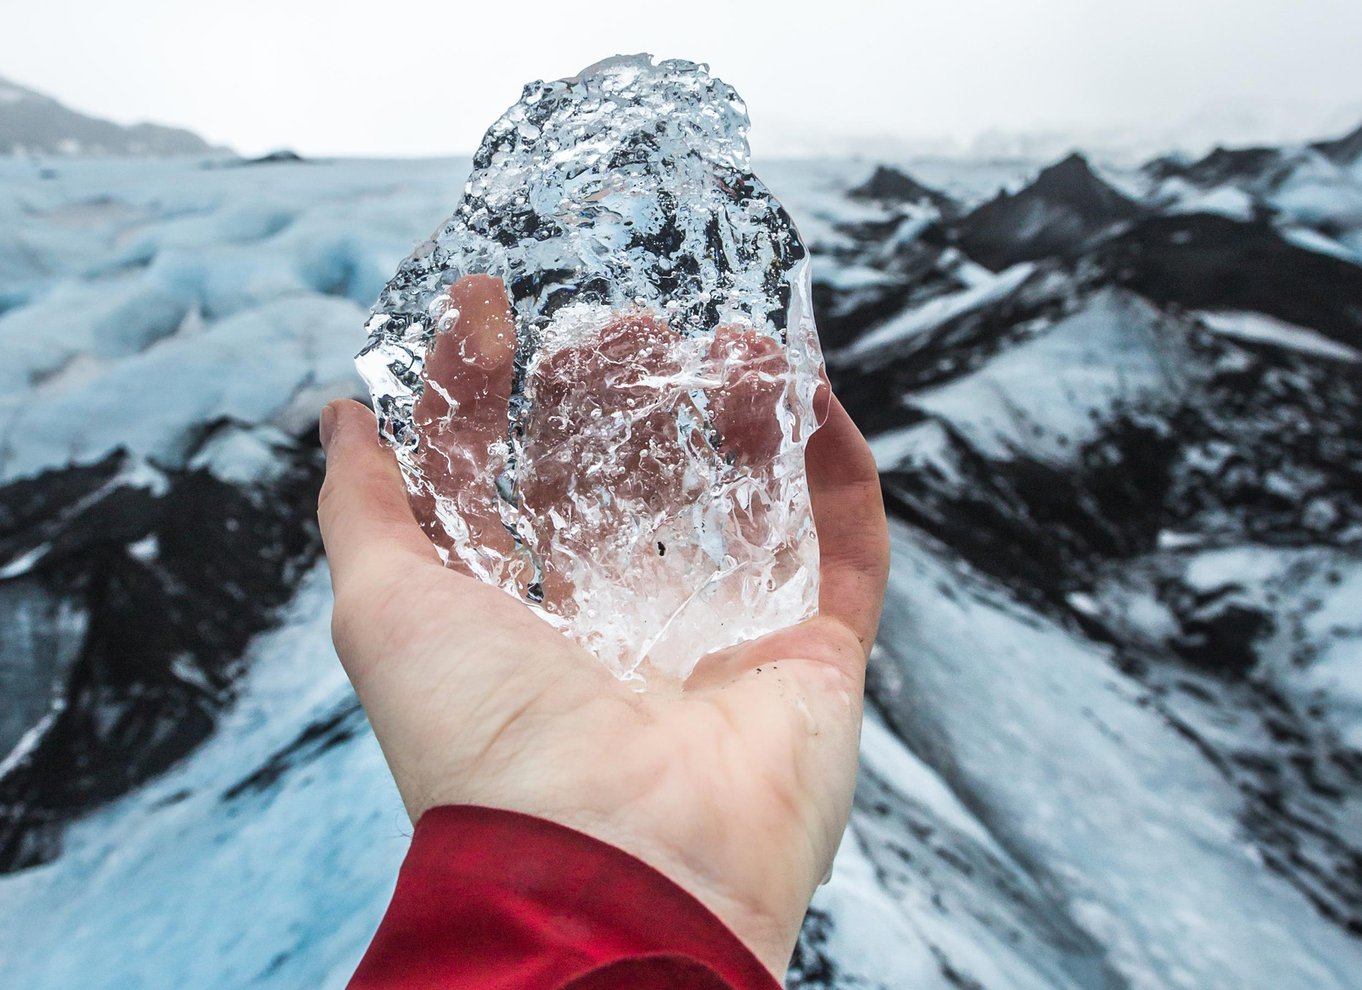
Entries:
{"x":421,"y":77}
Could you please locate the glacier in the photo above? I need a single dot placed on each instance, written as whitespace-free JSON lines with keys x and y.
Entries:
{"x":1114,"y":718}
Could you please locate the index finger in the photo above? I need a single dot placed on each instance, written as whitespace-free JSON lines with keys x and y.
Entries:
{"x":461,"y":419}
{"x":370,"y":535}
{"x":853,"y":535}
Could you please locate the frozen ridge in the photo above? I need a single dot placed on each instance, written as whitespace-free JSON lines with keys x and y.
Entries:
{"x":631,"y":464}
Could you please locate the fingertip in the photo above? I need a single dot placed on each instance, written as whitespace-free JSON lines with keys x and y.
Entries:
{"x":343,"y":419}
{"x":362,"y":507}
{"x":484,"y":329}
{"x":479,"y":291}
{"x":849,"y":514}
{"x":326,"y":424}
{"x":838,"y":453}
{"x":822,"y":399}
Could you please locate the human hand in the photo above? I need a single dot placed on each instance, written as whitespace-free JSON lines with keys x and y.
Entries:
{"x":736,"y":784}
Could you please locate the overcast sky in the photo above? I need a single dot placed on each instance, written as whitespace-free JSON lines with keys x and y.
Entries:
{"x":422,"y":77}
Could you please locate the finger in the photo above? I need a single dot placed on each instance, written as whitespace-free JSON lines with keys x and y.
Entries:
{"x":853,"y":537}
{"x":754,"y":370}
{"x":370,"y":534}
{"x":601,"y":460}
{"x":461,"y":417}
{"x":822,"y":399}
{"x":475,"y":352}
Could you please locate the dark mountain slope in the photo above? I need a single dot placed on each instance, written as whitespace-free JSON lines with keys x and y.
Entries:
{"x":1206,"y":261}
{"x":1345,"y":150}
{"x":1066,"y":206}
{"x":124,"y":548}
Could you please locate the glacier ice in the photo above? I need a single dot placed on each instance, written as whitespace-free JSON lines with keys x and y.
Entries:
{"x":619,"y":438}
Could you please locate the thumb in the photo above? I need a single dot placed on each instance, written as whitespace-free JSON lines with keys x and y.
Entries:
{"x":371,"y":537}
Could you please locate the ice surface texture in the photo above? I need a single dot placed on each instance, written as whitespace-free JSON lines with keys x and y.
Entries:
{"x":623,"y":447}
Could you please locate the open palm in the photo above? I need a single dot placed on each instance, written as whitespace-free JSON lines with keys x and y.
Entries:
{"x":736,"y":784}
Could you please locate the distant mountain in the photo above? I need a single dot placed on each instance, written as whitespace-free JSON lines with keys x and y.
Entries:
{"x":1066,"y":206}
{"x":889,"y":185}
{"x":1313,"y":183}
{"x":34,"y":124}
{"x":1219,"y":166}
{"x":1346,"y":150}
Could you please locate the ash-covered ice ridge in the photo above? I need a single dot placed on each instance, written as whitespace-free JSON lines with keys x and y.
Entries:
{"x":619,"y":439}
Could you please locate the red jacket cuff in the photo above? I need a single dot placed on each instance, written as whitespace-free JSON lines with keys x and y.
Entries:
{"x":497,"y":900}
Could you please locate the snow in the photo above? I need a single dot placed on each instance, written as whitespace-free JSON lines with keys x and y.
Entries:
{"x":1338,"y":607}
{"x":1333,"y":627}
{"x":146,"y":549}
{"x":1318,"y":191}
{"x":935,"y":312}
{"x":130,"y":286}
{"x":1313,"y":240}
{"x":1169,"y":539}
{"x":243,"y":456}
{"x":1226,"y":200}
{"x":1312,"y":649}
{"x":1265,"y":329}
{"x":23,"y":563}
{"x":1137,"y":833}
{"x":852,"y":277}
{"x":920,"y":444}
{"x":1336,"y":675}
{"x":1216,"y":568}
{"x":111,"y":319}
{"x":1049,"y":393}
{"x":871,"y":942}
{"x":28,"y":741}
{"x":150,"y":403}
{"x":277,"y":887}
{"x":884,"y":754}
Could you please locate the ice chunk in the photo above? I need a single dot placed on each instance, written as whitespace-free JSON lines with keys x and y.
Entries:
{"x":619,"y":437}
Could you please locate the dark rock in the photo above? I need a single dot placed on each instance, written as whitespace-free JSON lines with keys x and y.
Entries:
{"x":282,"y":157}
{"x":173,"y":581}
{"x":1042,"y":529}
{"x":1209,"y":261}
{"x":812,"y":967}
{"x":1220,"y":630}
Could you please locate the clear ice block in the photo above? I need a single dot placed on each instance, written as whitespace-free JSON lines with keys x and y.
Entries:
{"x":622,"y":447}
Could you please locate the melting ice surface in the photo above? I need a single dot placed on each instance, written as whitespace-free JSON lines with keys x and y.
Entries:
{"x":623,"y":447}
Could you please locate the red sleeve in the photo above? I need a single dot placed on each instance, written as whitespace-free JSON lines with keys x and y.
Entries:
{"x":497,"y":900}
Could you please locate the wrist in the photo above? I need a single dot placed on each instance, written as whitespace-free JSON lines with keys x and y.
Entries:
{"x":766,"y":921}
